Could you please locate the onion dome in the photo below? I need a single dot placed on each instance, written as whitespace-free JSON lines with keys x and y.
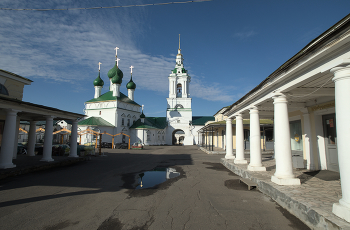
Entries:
{"x":98,"y":81}
{"x":115,"y":71}
{"x":131,"y":84}
{"x":142,"y":115}
{"x":117,"y":79}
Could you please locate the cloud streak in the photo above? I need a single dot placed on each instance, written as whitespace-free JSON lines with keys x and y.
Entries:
{"x":245,"y":35}
{"x":66,"y":47}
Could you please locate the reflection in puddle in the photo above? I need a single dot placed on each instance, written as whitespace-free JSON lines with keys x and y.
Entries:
{"x":156,"y":176}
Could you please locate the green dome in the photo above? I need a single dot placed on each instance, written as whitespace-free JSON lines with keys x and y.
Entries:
{"x":115,"y":70}
{"x":117,"y":79}
{"x":98,"y":81}
{"x":131,"y":84}
{"x":142,"y":115}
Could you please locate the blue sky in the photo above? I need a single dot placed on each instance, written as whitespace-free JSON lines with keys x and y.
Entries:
{"x":229,"y":46}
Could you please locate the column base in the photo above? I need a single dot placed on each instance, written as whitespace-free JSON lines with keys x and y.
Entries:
{"x":7,"y":166}
{"x":285,"y":181}
{"x":73,"y":156}
{"x":239,"y":162}
{"x":230,"y":157}
{"x":256,"y":168}
{"x":47,"y":159}
{"x":341,"y":211}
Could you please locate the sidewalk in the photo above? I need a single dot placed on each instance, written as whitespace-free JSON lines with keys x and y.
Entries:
{"x":311,"y":202}
{"x":27,"y":164}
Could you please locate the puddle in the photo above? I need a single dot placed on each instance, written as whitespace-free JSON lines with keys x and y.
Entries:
{"x":154,"y":177}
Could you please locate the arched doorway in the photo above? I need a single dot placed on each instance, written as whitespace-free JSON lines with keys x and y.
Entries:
{"x":178,"y":137}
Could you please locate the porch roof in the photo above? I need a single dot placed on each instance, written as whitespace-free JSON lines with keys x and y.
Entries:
{"x":30,"y":111}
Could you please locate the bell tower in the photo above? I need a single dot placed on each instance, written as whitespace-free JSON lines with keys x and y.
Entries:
{"x":179,"y":108}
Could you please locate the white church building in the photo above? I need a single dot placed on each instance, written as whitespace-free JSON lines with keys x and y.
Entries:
{"x":114,"y":112}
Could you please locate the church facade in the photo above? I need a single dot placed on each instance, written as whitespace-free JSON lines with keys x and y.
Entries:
{"x":114,"y":112}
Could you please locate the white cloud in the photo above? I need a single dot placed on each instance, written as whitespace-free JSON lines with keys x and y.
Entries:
{"x":244,"y":35}
{"x":66,"y":47}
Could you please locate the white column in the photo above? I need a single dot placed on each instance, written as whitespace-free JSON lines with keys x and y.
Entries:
{"x":342,"y":111}
{"x":97,"y":91}
{"x":229,"y":144}
{"x":308,"y":140}
{"x":31,"y":138}
{"x":283,"y":153}
{"x":239,"y":141}
{"x":131,"y":94}
{"x":73,"y":139}
{"x":15,"y":143}
{"x":47,"y":151}
{"x":116,"y":90}
{"x":255,"y":141}
{"x":8,"y":138}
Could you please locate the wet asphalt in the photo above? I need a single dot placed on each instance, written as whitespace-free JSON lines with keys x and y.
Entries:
{"x":100,"y":194}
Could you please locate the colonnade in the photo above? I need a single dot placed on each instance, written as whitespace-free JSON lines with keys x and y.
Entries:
{"x":9,"y":139}
{"x":283,"y":154}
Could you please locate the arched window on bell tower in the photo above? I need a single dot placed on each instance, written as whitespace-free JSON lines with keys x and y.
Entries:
{"x":179,"y":90}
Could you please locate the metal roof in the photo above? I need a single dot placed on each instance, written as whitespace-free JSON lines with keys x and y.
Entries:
{"x":109,"y":97}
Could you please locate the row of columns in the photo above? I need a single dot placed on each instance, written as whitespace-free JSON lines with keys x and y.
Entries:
{"x":284,"y":167}
{"x":283,"y":154}
{"x":9,"y":140}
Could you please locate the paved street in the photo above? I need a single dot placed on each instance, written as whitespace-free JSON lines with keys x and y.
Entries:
{"x":100,"y":194}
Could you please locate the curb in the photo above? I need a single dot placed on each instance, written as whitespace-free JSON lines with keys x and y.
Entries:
{"x":314,"y":219}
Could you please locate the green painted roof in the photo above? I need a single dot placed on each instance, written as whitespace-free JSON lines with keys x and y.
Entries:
{"x":150,"y":123}
{"x":201,"y":120}
{"x":98,"y":81}
{"x":95,"y":121}
{"x":109,"y":97}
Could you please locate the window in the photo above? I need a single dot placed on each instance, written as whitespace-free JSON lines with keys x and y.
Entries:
{"x":179,"y":106}
{"x":179,"y":90}
{"x":100,"y":112}
{"x":3,"y":90}
{"x":128,"y":122}
{"x":133,"y":121}
{"x":148,"y":135}
{"x":122,"y":121}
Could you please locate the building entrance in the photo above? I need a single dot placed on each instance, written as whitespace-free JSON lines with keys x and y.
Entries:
{"x":330,"y":141}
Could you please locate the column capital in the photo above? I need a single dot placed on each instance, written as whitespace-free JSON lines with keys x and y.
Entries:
{"x":279,"y":98}
{"x":341,"y":73}
{"x":238,"y":116}
{"x":74,"y":121}
{"x":253,"y":109}
{"x":49,"y":117}
{"x":12,"y":111}
{"x":229,"y":119}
